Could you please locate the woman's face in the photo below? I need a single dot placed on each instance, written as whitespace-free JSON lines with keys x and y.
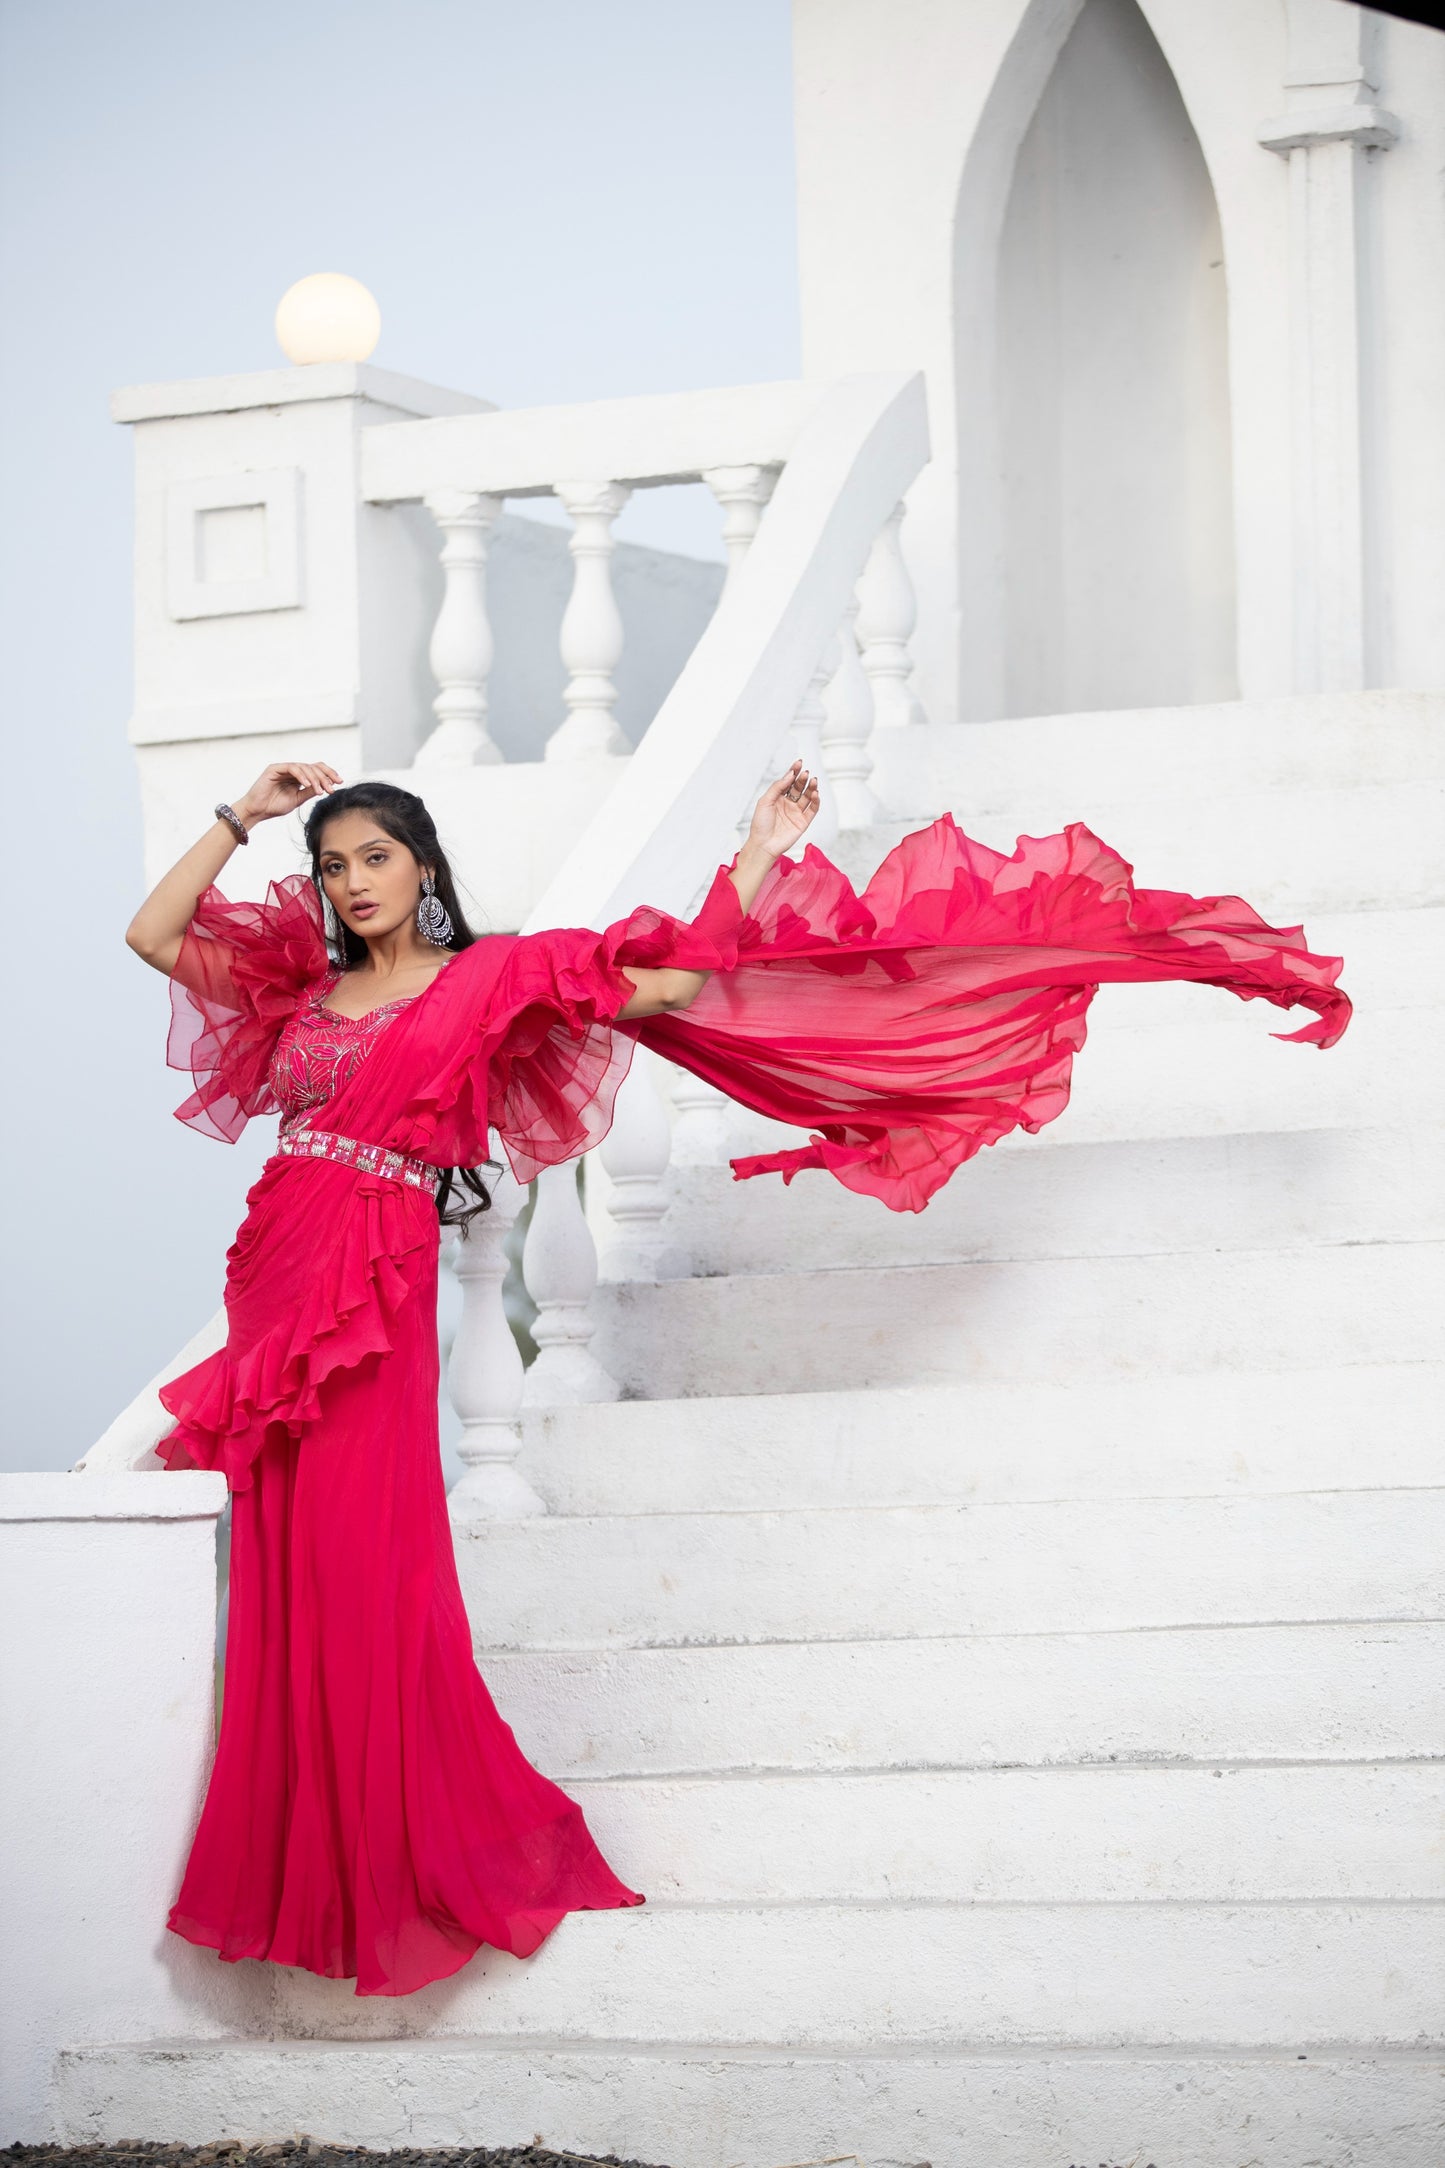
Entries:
{"x":373,"y":881}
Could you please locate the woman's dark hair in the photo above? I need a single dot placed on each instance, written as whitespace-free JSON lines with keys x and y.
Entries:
{"x":405,"y":819}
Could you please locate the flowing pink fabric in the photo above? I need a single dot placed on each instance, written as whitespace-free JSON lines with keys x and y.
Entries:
{"x":369,"y":1813}
{"x":912,"y":1025}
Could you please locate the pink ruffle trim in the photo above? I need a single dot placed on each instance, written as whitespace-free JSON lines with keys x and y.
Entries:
{"x":226,"y":1405}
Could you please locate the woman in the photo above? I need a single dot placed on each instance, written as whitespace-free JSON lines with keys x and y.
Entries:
{"x":369,"y":1815}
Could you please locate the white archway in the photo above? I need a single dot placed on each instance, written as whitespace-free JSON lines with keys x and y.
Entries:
{"x":1095,"y":558}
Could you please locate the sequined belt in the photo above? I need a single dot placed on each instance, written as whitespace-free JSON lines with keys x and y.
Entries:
{"x":367,"y":1158}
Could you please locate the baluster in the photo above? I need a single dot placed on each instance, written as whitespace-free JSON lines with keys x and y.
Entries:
{"x":591,"y":625}
{"x":484,"y":1375}
{"x":848,"y":702}
{"x":461,"y":644}
{"x":805,"y":742}
{"x":702,"y":1132}
{"x":559,"y":1265}
{"x":802,"y":741}
{"x":887,"y":613}
{"x":742,"y":492}
{"x":635,"y":1154}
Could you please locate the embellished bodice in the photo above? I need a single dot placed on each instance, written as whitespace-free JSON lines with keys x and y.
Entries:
{"x":319,"y":1051}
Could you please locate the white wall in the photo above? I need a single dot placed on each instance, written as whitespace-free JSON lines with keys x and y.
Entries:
{"x":107,"y":1611}
{"x":909,"y":120}
{"x":1112,"y":367}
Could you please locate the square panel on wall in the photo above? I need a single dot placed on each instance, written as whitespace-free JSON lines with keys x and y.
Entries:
{"x":233,"y":544}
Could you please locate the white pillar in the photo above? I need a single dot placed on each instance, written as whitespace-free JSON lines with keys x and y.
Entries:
{"x":559,"y":1265}
{"x":591,"y":625}
{"x":1329,"y":133}
{"x":485,"y":1374}
{"x":635,"y":1154}
{"x":461,"y":644}
{"x":848,"y":725}
{"x":742,"y":492}
{"x":887,"y":614}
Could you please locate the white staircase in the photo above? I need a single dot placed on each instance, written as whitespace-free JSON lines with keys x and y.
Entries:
{"x":1005,"y":1644}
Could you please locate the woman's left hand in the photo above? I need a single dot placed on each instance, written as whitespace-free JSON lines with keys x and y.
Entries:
{"x":779,"y":818}
{"x":784,"y":811}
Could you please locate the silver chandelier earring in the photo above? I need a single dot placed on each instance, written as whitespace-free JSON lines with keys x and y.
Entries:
{"x":432,"y":917}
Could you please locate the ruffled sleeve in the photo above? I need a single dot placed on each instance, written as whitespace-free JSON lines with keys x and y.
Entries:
{"x":242,"y":969}
{"x":559,"y":1056}
{"x":529,"y":1041}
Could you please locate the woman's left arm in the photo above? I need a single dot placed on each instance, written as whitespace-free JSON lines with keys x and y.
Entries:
{"x":782,"y":813}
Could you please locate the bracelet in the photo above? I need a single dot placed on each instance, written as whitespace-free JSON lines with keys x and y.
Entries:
{"x":233,"y":820}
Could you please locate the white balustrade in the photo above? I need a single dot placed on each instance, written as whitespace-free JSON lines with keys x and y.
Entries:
{"x":635,"y":1156}
{"x":848,"y":725}
{"x":804,"y":741}
{"x":461,"y":644}
{"x":591,"y":625}
{"x":702,"y":1128}
{"x":485,"y":1374}
{"x":559,"y":1265}
{"x":887,"y":614}
{"x":742,"y":492}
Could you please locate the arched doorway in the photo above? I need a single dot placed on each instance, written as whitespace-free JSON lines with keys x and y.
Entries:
{"x":1111,"y":381}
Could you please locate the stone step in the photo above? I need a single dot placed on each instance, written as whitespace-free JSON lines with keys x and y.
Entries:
{"x":1027,"y":1836}
{"x":872,"y":1976}
{"x":1068,"y":1319}
{"x":1285,"y":743}
{"x":1188,"y":1061}
{"x":749,"y":2107}
{"x":1371,"y":1427}
{"x":1069,"y":1566}
{"x":1349,"y":847}
{"x":1393,"y":959}
{"x":1205,"y":1694}
{"x":1044,"y":770}
{"x":1297,"y":821}
{"x":1113,"y":1198}
{"x":1166,"y":1061}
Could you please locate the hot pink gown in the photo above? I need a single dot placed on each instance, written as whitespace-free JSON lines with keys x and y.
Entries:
{"x":369,"y":1814}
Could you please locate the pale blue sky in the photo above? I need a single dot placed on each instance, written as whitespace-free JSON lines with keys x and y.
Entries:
{"x":553,"y":201}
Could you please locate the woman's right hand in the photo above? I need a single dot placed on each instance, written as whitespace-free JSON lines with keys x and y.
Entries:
{"x":158,"y":929}
{"x":283,"y":786}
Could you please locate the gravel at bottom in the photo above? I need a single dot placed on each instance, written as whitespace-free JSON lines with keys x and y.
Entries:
{"x":303,"y":2153}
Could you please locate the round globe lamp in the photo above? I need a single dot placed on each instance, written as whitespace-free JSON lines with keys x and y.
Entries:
{"x":327,"y":317}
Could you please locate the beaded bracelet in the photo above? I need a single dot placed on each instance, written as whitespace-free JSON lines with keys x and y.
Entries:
{"x":233,"y":820}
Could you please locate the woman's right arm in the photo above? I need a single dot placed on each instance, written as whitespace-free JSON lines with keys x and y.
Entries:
{"x":159,"y":926}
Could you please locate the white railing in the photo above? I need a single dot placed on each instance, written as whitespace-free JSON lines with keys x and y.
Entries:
{"x":812,"y":627}
{"x":129,"y":1442}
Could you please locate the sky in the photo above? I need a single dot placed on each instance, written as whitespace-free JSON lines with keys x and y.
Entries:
{"x":555,"y":201}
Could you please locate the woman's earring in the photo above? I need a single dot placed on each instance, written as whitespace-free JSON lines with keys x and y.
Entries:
{"x":432,"y":917}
